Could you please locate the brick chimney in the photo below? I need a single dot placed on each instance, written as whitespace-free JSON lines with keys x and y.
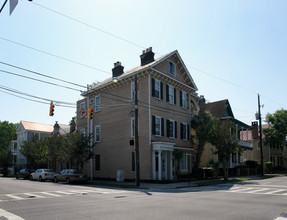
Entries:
{"x":254,"y":126}
{"x":147,"y":56}
{"x":118,"y":69}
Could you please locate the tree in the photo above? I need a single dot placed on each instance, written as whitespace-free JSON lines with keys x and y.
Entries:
{"x":203,"y":127}
{"x":36,"y":152}
{"x":276,"y":134}
{"x":224,"y":140}
{"x":79,"y":148}
{"x":7,"y":133}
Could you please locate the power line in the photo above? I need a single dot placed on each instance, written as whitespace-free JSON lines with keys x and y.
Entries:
{"x":41,"y":74}
{"x":27,"y":77}
{"x":53,"y":55}
{"x":33,"y":96}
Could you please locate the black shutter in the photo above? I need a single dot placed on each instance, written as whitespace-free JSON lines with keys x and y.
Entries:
{"x":162,"y":127}
{"x":152,"y":86}
{"x":187,"y":135}
{"x":175,"y":129}
{"x":153,"y":124}
{"x":174,"y":96}
{"x":181,"y":131}
{"x":167,"y":93}
{"x":161,"y":90}
{"x":167,"y":128}
{"x":133,"y":162}
{"x":180,"y":98}
{"x":98,"y":162}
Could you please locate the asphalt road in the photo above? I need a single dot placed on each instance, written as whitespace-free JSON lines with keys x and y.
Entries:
{"x":260,"y":199}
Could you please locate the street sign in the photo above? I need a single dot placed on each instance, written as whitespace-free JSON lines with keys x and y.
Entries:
{"x":83,"y":113}
{"x":13,"y":4}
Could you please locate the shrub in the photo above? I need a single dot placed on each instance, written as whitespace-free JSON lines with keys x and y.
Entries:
{"x":251,"y":163}
{"x":268,"y":167}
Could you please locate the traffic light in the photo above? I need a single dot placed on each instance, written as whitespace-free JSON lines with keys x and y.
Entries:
{"x":52,"y":109}
{"x":90,"y":113}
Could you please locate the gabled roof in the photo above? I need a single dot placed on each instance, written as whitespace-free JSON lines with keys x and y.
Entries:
{"x":138,"y":69}
{"x":220,"y":109}
{"x":32,"y":126}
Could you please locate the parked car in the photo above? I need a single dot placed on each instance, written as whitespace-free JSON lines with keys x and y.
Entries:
{"x":43,"y":174}
{"x":70,"y":175}
{"x":24,"y":173}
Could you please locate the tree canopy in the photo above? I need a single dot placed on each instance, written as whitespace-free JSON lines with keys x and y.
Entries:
{"x":276,"y":133}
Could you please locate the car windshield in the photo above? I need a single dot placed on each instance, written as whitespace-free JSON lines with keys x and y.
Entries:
{"x":48,"y":170}
{"x":75,"y":171}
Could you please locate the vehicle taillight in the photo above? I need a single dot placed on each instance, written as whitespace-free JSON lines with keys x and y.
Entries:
{"x":75,"y":176}
{"x":46,"y":174}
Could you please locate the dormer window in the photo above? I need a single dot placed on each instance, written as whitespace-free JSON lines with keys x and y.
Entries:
{"x":171,"y":68}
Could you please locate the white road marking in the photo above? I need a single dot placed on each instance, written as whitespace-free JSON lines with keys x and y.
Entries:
{"x":239,"y":189}
{"x":65,"y":193}
{"x":272,"y":192}
{"x":15,"y":197}
{"x":9,"y":215}
{"x":257,"y":190}
{"x":51,"y":194}
{"x":34,"y":196}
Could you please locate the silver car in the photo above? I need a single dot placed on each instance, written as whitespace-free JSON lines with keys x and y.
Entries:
{"x":43,"y":174}
{"x":70,"y":175}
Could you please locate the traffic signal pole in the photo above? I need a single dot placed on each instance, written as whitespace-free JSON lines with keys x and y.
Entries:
{"x":261,"y":143}
{"x":137,"y":135}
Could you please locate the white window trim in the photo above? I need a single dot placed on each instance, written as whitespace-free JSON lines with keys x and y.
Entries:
{"x":159,"y":89}
{"x":132,"y":127}
{"x":98,"y":126}
{"x":171,"y":91}
{"x":97,"y":105}
{"x":132,"y":90}
{"x":186,"y":130}
{"x":173,"y":130}
{"x":174,"y":68}
{"x":184,"y":159}
{"x":184,"y":100}
{"x":160,"y":126}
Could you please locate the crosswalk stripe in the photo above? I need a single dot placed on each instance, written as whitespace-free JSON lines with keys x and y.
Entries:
{"x":258,"y":190}
{"x":240,"y":190}
{"x":14,"y":196}
{"x":272,"y":192}
{"x":33,"y":195}
{"x":50,"y":194}
{"x":65,"y":193}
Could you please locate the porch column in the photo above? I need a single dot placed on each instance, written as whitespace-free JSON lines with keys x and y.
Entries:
{"x":242,"y":133}
{"x":165,"y":165}
{"x":231,"y":160}
{"x":153,"y":166}
{"x":236,"y":158}
{"x":170,"y":166}
{"x":159,"y":165}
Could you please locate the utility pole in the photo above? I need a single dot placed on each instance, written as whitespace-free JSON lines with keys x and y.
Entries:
{"x":261,"y":143}
{"x":137,"y":135}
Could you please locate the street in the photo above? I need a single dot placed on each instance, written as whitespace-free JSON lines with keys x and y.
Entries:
{"x":257,"y":199}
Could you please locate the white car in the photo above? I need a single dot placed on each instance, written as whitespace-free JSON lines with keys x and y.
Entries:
{"x":43,"y":174}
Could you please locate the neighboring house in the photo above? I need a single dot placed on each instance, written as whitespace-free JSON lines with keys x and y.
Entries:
{"x":275,"y":154}
{"x":167,"y":99}
{"x":222,"y":110}
{"x":27,"y":130}
{"x":13,"y":149}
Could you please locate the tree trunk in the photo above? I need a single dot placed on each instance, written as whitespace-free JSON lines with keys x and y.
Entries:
{"x":198,"y":155}
{"x":224,"y":169}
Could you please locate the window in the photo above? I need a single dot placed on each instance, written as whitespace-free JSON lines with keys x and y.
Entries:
{"x":37,"y":136}
{"x":157,"y":126}
{"x":132,"y":91}
{"x":98,"y":162}
{"x":133,"y":161}
{"x":157,"y":89}
{"x":183,"y":99}
{"x":132,"y":127}
{"x":184,"y":163}
{"x":97,"y":133}
{"x":184,"y":131}
{"x":171,"y":128}
{"x":170,"y":94}
{"x":83,"y":131}
{"x":98,"y":104}
{"x":171,"y":68}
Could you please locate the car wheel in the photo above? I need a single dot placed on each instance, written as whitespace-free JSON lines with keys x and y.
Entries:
{"x":17,"y":177}
{"x":40,"y":178}
{"x":55,"y":180}
{"x":68,"y":181}
{"x":31,"y":177}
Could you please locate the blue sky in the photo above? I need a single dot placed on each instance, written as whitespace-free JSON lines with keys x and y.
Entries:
{"x":233,"y":49}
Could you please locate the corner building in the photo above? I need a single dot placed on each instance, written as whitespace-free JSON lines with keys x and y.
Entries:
{"x":167,"y":100}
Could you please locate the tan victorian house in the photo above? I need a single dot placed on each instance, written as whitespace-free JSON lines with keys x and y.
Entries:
{"x":167,"y":99}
